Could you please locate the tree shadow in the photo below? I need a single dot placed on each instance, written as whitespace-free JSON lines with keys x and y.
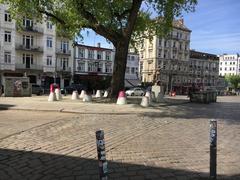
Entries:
{"x":226,"y":111}
{"x":24,"y":165}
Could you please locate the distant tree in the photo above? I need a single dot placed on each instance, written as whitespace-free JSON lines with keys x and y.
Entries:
{"x":234,"y":80}
{"x":119,"y":21}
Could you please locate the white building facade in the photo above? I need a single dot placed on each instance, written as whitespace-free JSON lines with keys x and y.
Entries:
{"x":93,"y":66}
{"x":34,"y":50}
{"x":229,"y":64}
{"x":132,"y":75}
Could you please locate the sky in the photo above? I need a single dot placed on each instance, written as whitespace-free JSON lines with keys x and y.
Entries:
{"x":215,"y":26}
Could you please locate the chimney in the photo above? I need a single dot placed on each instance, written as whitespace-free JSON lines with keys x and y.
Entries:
{"x":99,"y":45}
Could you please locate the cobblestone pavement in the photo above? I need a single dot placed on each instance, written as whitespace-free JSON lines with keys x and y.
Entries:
{"x":172,"y":143}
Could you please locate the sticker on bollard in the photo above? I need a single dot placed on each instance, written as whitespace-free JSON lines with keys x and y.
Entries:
{"x":102,"y":162}
{"x":213,"y":149}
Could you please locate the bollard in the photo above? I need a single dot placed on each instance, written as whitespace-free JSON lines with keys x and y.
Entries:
{"x":213,"y":149}
{"x":102,"y":162}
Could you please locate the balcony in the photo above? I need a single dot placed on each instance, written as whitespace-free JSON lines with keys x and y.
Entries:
{"x":48,"y":69}
{"x":32,"y":29}
{"x":22,"y":47}
{"x":64,"y":52}
{"x":6,"y":66}
{"x":29,"y":66}
{"x":66,"y":69}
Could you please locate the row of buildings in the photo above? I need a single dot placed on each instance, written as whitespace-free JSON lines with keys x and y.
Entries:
{"x":37,"y":51}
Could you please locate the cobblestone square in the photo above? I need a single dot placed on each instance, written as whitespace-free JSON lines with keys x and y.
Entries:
{"x":165,"y":142}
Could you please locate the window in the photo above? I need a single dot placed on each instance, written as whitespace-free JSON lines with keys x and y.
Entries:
{"x":220,"y":69}
{"x":230,"y":69}
{"x":49,"y":25}
{"x":7,"y":36}
{"x":108,"y":68}
{"x":99,"y":55}
{"x":64,"y":63}
{"x":90,"y":54}
{"x":27,"y":57}
{"x":64,"y":46}
{"x":7,"y":57}
{"x":49,"y":60}
{"x":49,"y":42}
{"x":233,"y":63}
{"x":81,"y":66}
{"x":7,"y":17}
{"x":108,"y":56}
{"x":27,"y":41}
{"x":233,"y":68}
{"x":230,"y":63}
{"x":28,"y":23}
{"x":91,"y":67}
{"x":132,"y":58}
{"x":132,"y":70}
{"x":81,"y":52}
{"x":225,"y":63}
{"x":225,"y":68}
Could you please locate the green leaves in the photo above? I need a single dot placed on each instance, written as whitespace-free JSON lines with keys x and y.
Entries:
{"x":108,"y":18}
{"x":234,"y":80}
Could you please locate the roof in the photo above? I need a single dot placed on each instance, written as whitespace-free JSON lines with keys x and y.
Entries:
{"x":203,"y":55}
{"x":92,"y":47}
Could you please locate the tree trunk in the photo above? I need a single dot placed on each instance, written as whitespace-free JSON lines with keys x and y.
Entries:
{"x":120,"y":61}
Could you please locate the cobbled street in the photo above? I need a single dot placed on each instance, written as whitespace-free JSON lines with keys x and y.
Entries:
{"x":170,"y":142}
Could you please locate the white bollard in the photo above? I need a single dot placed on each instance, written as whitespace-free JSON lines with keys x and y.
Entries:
{"x":74,"y":95}
{"x":58,"y":94}
{"x":52,"y":97}
{"x":145,"y":101}
{"x":148,"y":94}
{"x":83,"y":92}
{"x":98,"y":94}
{"x":87,"y":98}
{"x":105,"y":94}
{"x":122,"y":98}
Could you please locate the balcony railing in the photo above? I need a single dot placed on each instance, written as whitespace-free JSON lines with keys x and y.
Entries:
{"x":22,"y":47}
{"x":33,"y":29}
{"x":48,"y":69}
{"x":7,"y":66}
{"x":67,"y":69}
{"x":64,"y":51}
{"x":29,"y":66}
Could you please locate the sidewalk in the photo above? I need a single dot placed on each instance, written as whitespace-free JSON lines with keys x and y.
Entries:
{"x":40,"y":103}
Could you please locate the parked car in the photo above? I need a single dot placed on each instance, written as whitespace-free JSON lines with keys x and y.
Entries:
{"x":36,"y":89}
{"x":73,"y":87}
{"x":135,"y":92}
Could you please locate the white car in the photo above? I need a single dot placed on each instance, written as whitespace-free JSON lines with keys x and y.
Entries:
{"x":135,"y":92}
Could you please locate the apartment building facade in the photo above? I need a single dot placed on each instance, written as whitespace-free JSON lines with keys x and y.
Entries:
{"x":229,"y":64}
{"x":34,"y":50}
{"x":93,"y":66}
{"x":165,"y":60}
{"x":132,"y":75}
{"x":203,"y":69}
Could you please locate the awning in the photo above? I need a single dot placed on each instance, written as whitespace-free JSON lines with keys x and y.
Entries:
{"x":132,"y":82}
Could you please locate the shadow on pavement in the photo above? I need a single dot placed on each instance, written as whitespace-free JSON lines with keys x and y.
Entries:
{"x":4,"y":107}
{"x":226,"y":111}
{"x":23,"y":165}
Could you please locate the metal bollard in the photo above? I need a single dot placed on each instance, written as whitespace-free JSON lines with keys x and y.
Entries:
{"x":102,"y":162}
{"x":213,"y":149}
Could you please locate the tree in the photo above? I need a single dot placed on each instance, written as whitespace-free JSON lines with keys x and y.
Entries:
{"x":234,"y":80}
{"x":121,"y":22}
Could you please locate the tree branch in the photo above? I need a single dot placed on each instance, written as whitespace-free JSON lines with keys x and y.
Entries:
{"x":61,"y":21}
{"x":136,"y":4}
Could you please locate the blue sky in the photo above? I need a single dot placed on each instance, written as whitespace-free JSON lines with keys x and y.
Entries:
{"x":215,"y":27}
